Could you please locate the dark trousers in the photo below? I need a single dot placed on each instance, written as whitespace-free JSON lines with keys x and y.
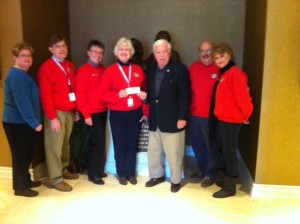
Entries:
{"x":125,"y":128}
{"x":216,"y":159}
{"x":229,"y":136}
{"x":199,"y":134}
{"x":97,"y":143}
{"x":21,"y":139}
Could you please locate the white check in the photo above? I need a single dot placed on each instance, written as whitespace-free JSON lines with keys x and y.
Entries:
{"x":133,"y":90}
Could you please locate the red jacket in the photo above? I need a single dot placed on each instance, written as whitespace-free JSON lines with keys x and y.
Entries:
{"x":203,"y":79}
{"x":87,"y":90}
{"x":113,"y":81}
{"x":54,"y":88}
{"x":233,"y":100}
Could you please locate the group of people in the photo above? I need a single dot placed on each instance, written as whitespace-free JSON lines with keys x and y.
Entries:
{"x":211,"y":97}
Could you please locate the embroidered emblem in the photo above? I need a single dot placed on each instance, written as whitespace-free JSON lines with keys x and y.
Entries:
{"x":136,"y":75}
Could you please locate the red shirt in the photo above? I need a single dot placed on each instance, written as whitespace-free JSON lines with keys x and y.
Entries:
{"x":233,"y":100}
{"x":203,"y":79}
{"x":87,"y":90}
{"x":113,"y":81}
{"x":54,"y":88}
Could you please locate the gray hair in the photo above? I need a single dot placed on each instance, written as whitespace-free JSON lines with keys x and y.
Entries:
{"x":160,"y":42}
{"x":121,"y":41}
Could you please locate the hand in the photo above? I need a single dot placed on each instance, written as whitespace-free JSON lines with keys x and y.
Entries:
{"x":142,"y":95}
{"x":246,"y":122}
{"x":181,"y":124}
{"x":55,"y":125}
{"x":39,"y":128}
{"x":88,"y":121}
{"x":77,"y":116}
{"x":123,"y":93}
{"x":144,"y":119}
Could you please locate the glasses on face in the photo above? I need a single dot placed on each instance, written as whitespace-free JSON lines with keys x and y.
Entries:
{"x":25,"y":55}
{"x":208,"y":51}
{"x":96,"y":52}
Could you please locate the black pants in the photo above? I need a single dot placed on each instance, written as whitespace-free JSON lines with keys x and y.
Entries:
{"x":21,"y":139}
{"x":97,"y":142}
{"x":125,"y":128}
{"x":229,"y":136}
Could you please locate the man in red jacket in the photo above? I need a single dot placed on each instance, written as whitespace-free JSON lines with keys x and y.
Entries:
{"x":204,"y":74}
{"x":56,"y":79}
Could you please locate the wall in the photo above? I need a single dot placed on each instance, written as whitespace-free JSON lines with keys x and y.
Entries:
{"x":10,"y":33}
{"x":188,"y":21}
{"x":32,"y":21}
{"x":278,"y":160}
{"x":254,"y":55}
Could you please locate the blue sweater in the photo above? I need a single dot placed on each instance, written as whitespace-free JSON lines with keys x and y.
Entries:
{"x":21,"y":99}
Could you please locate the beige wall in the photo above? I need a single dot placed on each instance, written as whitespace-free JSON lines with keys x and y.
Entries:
{"x":10,"y":33}
{"x":278,"y":158}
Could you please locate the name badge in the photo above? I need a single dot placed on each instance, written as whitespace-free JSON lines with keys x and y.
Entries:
{"x":130,"y":102}
{"x":72,"y":97}
{"x":133,"y":90}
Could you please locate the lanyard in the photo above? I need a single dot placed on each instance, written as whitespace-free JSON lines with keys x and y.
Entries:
{"x":64,"y":71}
{"x":124,"y":75}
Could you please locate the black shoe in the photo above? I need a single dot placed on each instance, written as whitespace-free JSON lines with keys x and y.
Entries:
{"x":26,"y":193}
{"x":132,"y":180}
{"x":96,"y":180}
{"x":154,"y":181}
{"x":103,"y":175}
{"x":34,"y":183}
{"x":224,"y":193}
{"x":123,"y":181}
{"x":175,"y":187}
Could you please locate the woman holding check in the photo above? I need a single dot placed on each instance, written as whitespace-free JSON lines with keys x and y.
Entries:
{"x":122,"y":87}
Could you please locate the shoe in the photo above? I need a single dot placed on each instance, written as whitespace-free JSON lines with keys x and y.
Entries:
{"x":34,"y":183}
{"x":96,"y":180}
{"x":70,"y":176}
{"x":26,"y":193}
{"x":123,"y":181}
{"x":220,"y":183}
{"x":197,"y":175}
{"x":175,"y":187}
{"x":154,"y":181}
{"x":207,"y":182}
{"x":103,"y":175}
{"x":224,"y":193}
{"x":63,"y":186}
{"x":132,"y":180}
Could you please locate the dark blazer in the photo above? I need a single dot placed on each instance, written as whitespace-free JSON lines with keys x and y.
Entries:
{"x":173,"y":100}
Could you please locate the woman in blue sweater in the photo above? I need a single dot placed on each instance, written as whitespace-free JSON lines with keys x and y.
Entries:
{"x":21,"y":118}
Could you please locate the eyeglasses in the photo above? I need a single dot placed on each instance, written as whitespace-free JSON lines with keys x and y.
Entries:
{"x":205,"y":51}
{"x":25,"y":55}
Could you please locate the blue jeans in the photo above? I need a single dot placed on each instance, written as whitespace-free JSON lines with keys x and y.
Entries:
{"x":199,"y":134}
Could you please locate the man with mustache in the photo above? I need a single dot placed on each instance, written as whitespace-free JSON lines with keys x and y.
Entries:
{"x":203,"y":74}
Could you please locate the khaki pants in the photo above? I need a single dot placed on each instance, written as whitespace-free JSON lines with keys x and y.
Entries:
{"x":170,"y":145}
{"x":57,"y":146}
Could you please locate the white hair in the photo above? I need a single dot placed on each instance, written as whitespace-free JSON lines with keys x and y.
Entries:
{"x":126,"y":41}
{"x":160,"y":42}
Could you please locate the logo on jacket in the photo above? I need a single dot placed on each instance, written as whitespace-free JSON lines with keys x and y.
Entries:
{"x":214,"y":76}
{"x":136,"y":75}
{"x":94,"y":74}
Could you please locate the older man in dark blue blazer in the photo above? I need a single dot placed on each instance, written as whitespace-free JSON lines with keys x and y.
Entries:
{"x":169,"y":99}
